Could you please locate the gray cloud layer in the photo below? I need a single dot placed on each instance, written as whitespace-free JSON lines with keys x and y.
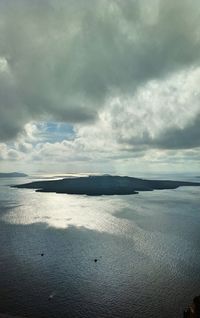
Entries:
{"x":178,"y":138}
{"x":65,"y":60}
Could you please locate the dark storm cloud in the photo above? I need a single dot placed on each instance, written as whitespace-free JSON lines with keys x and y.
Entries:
{"x":179,"y":138}
{"x":171,"y":138}
{"x":63,"y":60}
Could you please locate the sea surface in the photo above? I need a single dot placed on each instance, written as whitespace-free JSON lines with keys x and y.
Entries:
{"x":147,"y":248}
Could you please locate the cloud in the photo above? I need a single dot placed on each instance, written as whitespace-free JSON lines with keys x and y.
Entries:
{"x":7,"y":153}
{"x":69,"y":60}
{"x":82,"y":153}
{"x":180,"y":138}
{"x":162,"y":114}
{"x":3,"y":151}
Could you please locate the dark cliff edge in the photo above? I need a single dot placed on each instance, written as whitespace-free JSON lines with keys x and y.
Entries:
{"x":193,"y":311}
{"x":103,"y":185}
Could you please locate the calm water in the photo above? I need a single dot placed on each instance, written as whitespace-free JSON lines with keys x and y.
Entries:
{"x":147,"y":246}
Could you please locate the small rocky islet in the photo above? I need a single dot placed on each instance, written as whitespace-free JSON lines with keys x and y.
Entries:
{"x":96,"y":185}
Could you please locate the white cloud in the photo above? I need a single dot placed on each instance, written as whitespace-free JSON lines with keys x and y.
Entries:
{"x":67,"y":58}
{"x":128,"y":129}
{"x":125,"y":74}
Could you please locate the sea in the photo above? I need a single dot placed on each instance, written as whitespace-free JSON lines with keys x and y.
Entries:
{"x":107,"y":256}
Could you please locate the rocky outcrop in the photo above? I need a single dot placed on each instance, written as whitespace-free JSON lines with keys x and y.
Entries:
{"x":193,"y":311}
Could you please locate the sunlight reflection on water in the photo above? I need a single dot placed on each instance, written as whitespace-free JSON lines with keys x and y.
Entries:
{"x":61,"y":211}
{"x":126,"y":216}
{"x":149,"y":245}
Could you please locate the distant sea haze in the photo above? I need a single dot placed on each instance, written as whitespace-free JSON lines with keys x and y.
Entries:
{"x":12,"y":175}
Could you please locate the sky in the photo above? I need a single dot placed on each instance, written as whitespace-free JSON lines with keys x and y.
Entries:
{"x":102,"y":86}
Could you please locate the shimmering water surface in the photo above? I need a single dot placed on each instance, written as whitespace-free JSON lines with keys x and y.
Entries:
{"x":147,"y":248}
